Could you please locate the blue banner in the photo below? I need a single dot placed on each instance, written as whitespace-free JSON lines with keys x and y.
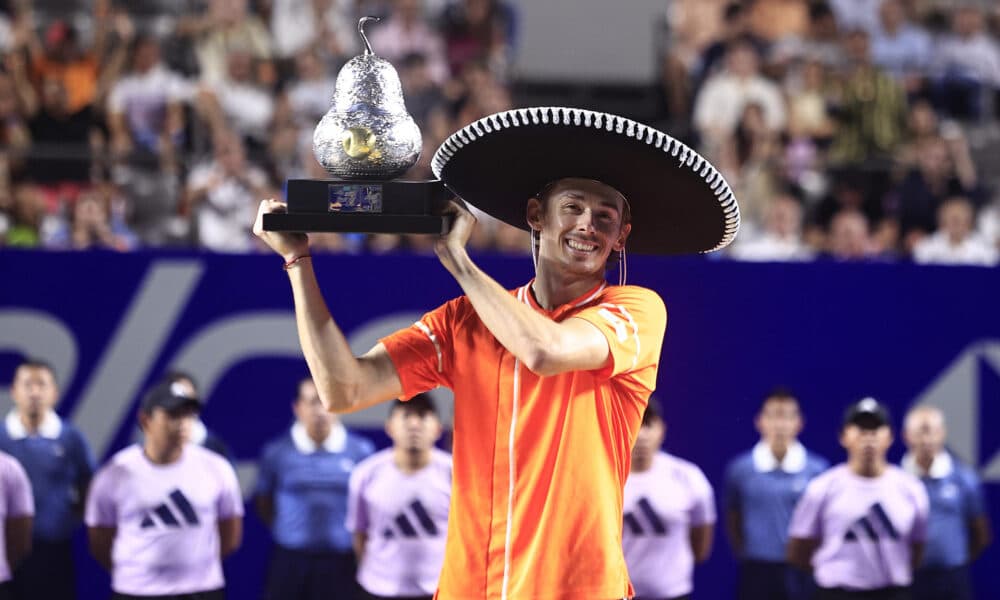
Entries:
{"x":112,"y":324}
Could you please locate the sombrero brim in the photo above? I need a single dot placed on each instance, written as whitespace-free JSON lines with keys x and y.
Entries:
{"x":680,"y":203}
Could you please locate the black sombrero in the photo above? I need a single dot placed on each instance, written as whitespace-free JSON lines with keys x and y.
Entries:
{"x":680,"y":203}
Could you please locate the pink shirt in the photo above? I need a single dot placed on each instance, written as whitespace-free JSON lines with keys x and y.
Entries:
{"x":662,"y":504}
{"x":405,"y":516}
{"x":15,"y":501}
{"x":865,"y":526}
{"x":166,"y":516}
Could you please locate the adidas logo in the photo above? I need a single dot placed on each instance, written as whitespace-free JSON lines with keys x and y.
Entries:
{"x":645,"y":510}
{"x":873,"y":526}
{"x":406,"y":527}
{"x":167,"y":515}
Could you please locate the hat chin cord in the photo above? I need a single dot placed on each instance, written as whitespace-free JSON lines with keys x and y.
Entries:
{"x":622,"y":267}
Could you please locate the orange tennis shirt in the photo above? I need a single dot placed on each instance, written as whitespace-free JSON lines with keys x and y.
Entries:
{"x":539,"y":462}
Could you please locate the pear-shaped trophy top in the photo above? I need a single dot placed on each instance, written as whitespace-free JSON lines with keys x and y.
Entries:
{"x":367,"y":133}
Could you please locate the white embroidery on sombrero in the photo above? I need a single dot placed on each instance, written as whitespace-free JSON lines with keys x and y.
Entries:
{"x":577,"y":117}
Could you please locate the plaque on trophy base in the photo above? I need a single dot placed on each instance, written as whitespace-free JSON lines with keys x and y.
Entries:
{"x":332,"y":205}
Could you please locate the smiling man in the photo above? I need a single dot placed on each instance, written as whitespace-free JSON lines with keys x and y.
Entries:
{"x":550,"y":379}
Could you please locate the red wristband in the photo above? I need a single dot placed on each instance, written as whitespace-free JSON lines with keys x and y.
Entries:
{"x":291,"y":263}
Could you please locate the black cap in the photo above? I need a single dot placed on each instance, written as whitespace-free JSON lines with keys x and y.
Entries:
{"x":867,"y":413}
{"x":169,"y":396}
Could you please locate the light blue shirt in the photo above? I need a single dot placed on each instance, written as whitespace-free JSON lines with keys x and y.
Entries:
{"x":956,"y":497}
{"x":764,"y":492}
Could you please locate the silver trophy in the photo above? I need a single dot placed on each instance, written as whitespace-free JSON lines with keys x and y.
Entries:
{"x":365,"y":141}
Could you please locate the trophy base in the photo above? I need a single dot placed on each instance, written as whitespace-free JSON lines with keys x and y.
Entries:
{"x":357,"y":206}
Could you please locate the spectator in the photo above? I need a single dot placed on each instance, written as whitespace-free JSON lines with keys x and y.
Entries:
{"x":59,"y":464}
{"x":27,"y":216}
{"x":14,"y":134}
{"x":857,"y":14}
{"x":301,"y":495}
{"x":692,"y":25}
{"x":309,"y":93}
{"x":735,"y":30}
{"x":221,"y":194}
{"x":721,"y":103}
{"x":17,"y":510}
{"x":900,"y":48}
{"x":227,"y":26}
{"x":669,"y":515}
{"x":240,"y":101}
{"x":861,"y":525}
{"x":478,"y":30}
{"x":93,"y":224}
{"x":146,"y":106}
{"x":776,"y":19}
{"x":959,"y":527}
{"x":849,"y":237}
{"x":161,"y":516}
{"x":955,"y":242}
{"x":761,"y":489}
{"x":407,"y":32}
{"x":944,"y":170}
{"x":293,"y":25}
{"x":966,"y":66}
{"x":781,"y":239}
{"x":809,"y":117}
{"x":821,"y":41}
{"x":749,"y":162}
{"x":397,"y":507}
{"x":870,"y":105}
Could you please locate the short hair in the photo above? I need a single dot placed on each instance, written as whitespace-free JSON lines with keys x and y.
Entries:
{"x":780,"y":393}
{"x":652,"y":412}
{"x":300,"y":383}
{"x":36,"y":363}
{"x":422,"y":404}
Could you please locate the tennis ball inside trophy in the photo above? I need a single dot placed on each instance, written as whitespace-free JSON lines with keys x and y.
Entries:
{"x":367,"y":133}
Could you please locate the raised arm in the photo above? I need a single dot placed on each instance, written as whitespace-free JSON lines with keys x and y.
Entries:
{"x":345,"y":382}
{"x":544,"y":346}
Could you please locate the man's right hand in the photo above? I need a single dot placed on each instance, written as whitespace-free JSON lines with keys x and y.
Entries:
{"x":289,"y":245}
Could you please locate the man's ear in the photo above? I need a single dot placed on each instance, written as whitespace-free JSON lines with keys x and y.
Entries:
{"x":536,"y":214}
{"x":620,"y":242}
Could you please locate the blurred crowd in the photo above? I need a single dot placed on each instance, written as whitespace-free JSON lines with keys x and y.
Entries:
{"x":849,"y":129}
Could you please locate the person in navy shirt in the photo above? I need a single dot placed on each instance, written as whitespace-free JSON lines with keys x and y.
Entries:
{"x":302,"y":495}
{"x":59,"y":464}
{"x":959,"y":529}
{"x":760,"y":491}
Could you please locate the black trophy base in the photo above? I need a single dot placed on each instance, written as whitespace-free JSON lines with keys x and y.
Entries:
{"x":329,"y":205}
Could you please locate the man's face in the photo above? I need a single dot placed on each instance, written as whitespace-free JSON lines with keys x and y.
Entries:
{"x":310,"y":412}
{"x":412,"y":430}
{"x":955,"y":219}
{"x":867,"y":444}
{"x":168,"y":430}
{"x":147,"y":55}
{"x":649,"y":440}
{"x":925,"y":433}
{"x":779,"y":421}
{"x":580,"y":224}
{"x":34,"y":391}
